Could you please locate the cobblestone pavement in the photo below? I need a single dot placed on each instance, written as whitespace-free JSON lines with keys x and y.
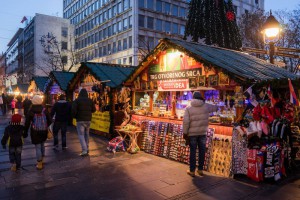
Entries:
{"x":104,"y":175}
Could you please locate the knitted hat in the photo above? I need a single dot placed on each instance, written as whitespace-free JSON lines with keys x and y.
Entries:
{"x":37,"y":100}
{"x":197,"y":95}
{"x":16,"y":119}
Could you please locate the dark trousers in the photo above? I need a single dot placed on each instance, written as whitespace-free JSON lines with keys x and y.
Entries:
{"x":194,"y":142}
{"x":12,"y":111}
{"x":15,"y":155}
{"x":62,"y":126}
{"x":4,"y":109}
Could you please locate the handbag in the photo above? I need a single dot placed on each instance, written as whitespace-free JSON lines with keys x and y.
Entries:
{"x":50,"y":132}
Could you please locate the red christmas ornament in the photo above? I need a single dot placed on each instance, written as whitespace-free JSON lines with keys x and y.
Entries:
{"x":230,"y":16}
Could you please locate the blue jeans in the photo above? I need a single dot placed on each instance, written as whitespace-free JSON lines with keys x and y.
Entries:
{"x":15,"y":155}
{"x":62,"y":126}
{"x":83,"y":130}
{"x":194,"y":142}
{"x":40,"y":151}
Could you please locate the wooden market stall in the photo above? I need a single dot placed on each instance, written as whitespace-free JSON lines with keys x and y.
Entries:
{"x":104,"y":83}
{"x":162,"y":88}
{"x":37,"y":85}
{"x":56,"y":85}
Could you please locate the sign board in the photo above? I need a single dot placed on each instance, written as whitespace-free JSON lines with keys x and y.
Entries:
{"x":55,"y":89}
{"x":176,"y":74}
{"x":173,"y":85}
{"x":100,"y":121}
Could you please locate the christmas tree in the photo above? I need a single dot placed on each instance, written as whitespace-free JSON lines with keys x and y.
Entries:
{"x":214,"y":22}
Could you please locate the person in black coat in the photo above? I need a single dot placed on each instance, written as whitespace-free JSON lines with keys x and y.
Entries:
{"x":26,"y":105}
{"x":38,"y":137}
{"x":13,"y":136}
{"x":82,"y":109}
{"x":61,"y":113}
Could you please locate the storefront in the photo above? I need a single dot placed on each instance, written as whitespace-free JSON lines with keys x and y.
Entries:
{"x":104,"y":83}
{"x":56,"y":85}
{"x":163,"y":85}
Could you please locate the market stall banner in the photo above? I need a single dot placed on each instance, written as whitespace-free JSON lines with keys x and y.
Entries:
{"x":100,"y":121}
{"x":55,"y":89}
{"x":179,"y":74}
{"x":173,"y":85}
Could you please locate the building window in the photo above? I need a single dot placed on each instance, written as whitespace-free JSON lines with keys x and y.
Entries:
{"x":64,"y":45}
{"x":130,"y":21}
{"x":100,"y":51}
{"x":104,"y":51}
{"x":125,"y":24}
{"x":120,"y":7}
{"x":174,"y":10}
{"x":130,"y":60}
{"x":150,"y":22}
{"x":142,"y":41}
{"x":125,"y":4}
{"x":158,"y":6}
{"x":124,"y":61}
{"x":120,"y":26}
{"x":115,"y":28}
{"x":119,"y":45}
{"x":141,"y":21}
{"x":125,"y":44}
{"x":130,"y":41}
{"x":167,"y":8}
{"x":182,"y":12}
{"x":141,"y":4}
{"x":158,"y":24}
{"x":182,"y":29}
{"x":114,"y":47}
{"x":64,"y":31}
{"x":175,"y":28}
{"x":151,"y":42}
{"x":119,"y":61}
{"x":150,"y":4}
{"x":64,"y":59}
{"x":168,"y":26}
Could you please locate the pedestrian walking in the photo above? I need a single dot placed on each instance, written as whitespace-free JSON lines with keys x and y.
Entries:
{"x":82,"y":109}
{"x":26,"y":105}
{"x":38,"y":119}
{"x":1,"y":104}
{"x":19,"y":101}
{"x":13,"y":106}
{"x":13,"y":136}
{"x":4,"y":98}
{"x":195,"y":124}
{"x":61,"y":113}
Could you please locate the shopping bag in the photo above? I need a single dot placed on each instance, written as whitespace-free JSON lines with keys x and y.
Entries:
{"x":50,"y":132}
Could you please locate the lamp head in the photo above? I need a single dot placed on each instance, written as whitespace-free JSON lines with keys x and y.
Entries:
{"x":271,"y":28}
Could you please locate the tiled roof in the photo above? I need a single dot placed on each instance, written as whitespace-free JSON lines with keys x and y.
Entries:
{"x":117,"y":74}
{"x":62,"y":78}
{"x":235,"y":62}
{"x":40,"y":81}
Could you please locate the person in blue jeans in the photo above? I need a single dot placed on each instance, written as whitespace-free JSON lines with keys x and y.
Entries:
{"x":61,"y":113}
{"x":195,"y":125}
{"x":82,"y":109}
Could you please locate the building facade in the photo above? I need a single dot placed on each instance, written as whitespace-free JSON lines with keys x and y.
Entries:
{"x":47,"y":45}
{"x":2,"y":73}
{"x":124,"y":31}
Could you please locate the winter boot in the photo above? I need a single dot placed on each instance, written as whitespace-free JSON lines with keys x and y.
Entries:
{"x":39,"y":165}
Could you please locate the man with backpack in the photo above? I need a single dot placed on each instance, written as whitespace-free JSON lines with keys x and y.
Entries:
{"x":39,"y":119}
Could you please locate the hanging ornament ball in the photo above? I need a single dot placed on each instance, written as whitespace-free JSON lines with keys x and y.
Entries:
{"x":230,"y":16}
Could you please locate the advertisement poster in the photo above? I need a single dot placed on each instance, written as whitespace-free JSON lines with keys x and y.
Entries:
{"x":100,"y":121}
{"x":173,"y":85}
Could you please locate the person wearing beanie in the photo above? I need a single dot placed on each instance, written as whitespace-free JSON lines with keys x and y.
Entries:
{"x":82,"y":109}
{"x":195,"y":125}
{"x":61,"y":113}
{"x":38,"y":119}
{"x":13,"y":136}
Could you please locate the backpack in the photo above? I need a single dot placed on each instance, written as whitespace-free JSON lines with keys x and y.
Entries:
{"x":39,"y":122}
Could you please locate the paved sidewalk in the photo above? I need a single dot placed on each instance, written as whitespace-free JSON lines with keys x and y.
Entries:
{"x":104,"y":175}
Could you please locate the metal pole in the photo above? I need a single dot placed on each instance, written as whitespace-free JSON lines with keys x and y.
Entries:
{"x":272,"y":51}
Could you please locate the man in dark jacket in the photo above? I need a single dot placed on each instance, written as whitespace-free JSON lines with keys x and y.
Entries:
{"x":13,"y":135}
{"x":26,"y":104}
{"x":61,"y":112}
{"x":38,"y":135}
{"x":82,"y":110}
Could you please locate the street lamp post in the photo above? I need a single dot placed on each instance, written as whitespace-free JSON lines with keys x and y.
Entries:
{"x":271,"y":31}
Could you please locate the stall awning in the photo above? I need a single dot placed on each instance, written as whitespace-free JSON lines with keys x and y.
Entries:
{"x":62,"y":78}
{"x":237,"y":64}
{"x":117,"y":74}
{"x":40,"y":82}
